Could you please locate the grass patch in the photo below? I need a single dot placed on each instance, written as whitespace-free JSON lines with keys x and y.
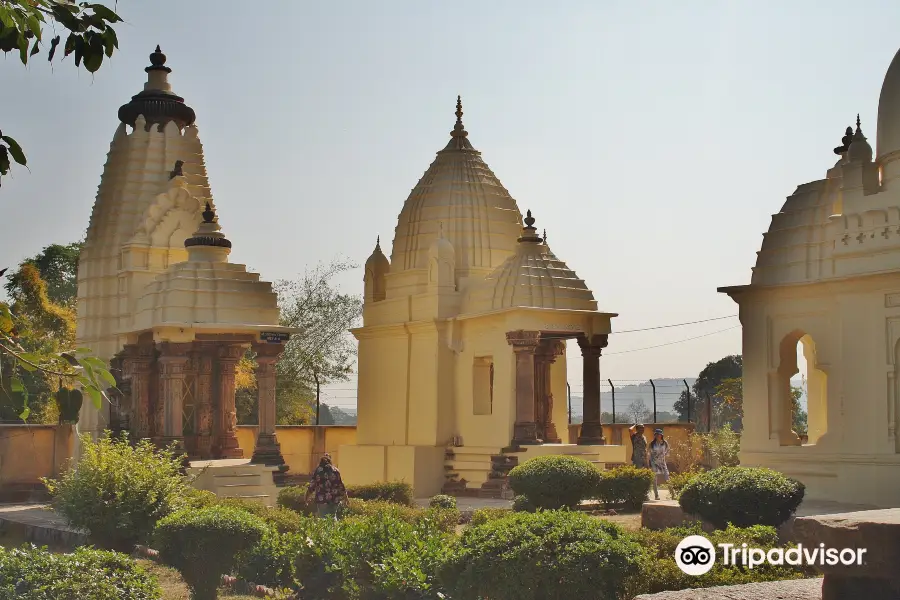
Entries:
{"x":173,"y":587}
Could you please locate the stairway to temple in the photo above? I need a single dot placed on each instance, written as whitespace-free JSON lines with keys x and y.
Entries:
{"x":480,"y":471}
{"x":236,"y":478}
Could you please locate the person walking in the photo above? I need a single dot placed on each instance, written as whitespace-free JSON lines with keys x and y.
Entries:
{"x":327,"y":488}
{"x":659,"y":451}
{"x":638,"y":446}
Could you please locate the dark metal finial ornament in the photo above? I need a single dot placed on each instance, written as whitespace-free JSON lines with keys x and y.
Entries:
{"x":377,"y":241}
{"x":158,"y":61}
{"x":209,"y":214}
{"x":857,"y":122}
{"x":545,"y":236}
{"x":459,"y":111}
{"x":529,"y":220}
{"x":845,"y":142}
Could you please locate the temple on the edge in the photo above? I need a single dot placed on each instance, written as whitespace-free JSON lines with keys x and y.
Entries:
{"x":157,"y":296}
{"x":828,"y":277}
{"x":462,"y":348}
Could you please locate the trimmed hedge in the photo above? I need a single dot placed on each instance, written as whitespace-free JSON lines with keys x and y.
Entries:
{"x":552,"y":482}
{"x":550,"y":554}
{"x":483,"y":515}
{"x":398,"y":492}
{"x":444,"y":519}
{"x":678,"y":481}
{"x":742,"y":496}
{"x":294,"y":498}
{"x":204,"y":544}
{"x":624,"y":486}
{"x":30,"y":573}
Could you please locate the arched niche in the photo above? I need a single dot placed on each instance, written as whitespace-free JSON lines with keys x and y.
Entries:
{"x":814,"y":385}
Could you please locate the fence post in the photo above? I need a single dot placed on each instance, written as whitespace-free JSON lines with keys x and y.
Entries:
{"x":613,"y":388}
{"x":688,"y":390}
{"x":708,"y":413}
{"x":569,"y":394}
{"x":653,"y":385}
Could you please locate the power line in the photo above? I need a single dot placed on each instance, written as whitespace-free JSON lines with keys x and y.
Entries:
{"x":676,"y":324}
{"x":696,"y":337}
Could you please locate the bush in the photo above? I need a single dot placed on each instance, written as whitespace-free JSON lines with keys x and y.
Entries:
{"x":552,"y":482}
{"x":204,"y":544}
{"x":742,"y":496}
{"x":551,"y":554}
{"x":523,"y":504}
{"x":445,"y":519}
{"x":379,"y":556}
{"x":294,"y":498}
{"x":687,"y":454}
{"x":270,"y":562}
{"x":626,"y":485}
{"x":117,"y":492}
{"x":397,"y":492}
{"x":279,"y":518}
{"x":442,"y":501}
{"x":724,"y":445}
{"x":660,"y":573}
{"x":677,"y":481}
{"x":29,"y":573}
{"x":483,"y":515}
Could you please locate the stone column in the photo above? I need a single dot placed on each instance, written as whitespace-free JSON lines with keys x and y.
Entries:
{"x":524,"y":345}
{"x":224,"y":418}
{"x":173,"y":366}
{"x":591,"y":429}
{"x":268,"y":450}
{"x":204,"y":402}
{"x":139,"y":369}
{"x":549,"y":352}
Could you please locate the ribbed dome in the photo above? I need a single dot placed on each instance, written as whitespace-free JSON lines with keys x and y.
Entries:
{"x":888,"y":135}
{"x":480,"y":219}
{"x":377,"y":261}
{"x":533,"y":277}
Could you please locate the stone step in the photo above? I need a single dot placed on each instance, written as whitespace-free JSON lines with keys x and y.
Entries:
{"x":488,"y":450}
{"x":248,"y":479}
{"x":469,"y":465}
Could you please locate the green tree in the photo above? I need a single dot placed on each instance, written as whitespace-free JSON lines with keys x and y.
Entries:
{"x":799,"y":417}
{"x":58,"y":267}
{"x":729,"y":367}
{"x":89,"y":38}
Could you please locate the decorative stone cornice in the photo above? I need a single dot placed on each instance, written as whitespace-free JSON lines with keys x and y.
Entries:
{"x":522,"y":340}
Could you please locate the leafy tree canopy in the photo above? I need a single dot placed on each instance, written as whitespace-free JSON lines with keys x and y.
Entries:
{"x":58,"y":267}
{"x":89,"y":38}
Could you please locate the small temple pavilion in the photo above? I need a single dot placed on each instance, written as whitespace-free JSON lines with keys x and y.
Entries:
{"x":158,"y":298}
{"x":462,"y":365}
{"x":827,"y":282}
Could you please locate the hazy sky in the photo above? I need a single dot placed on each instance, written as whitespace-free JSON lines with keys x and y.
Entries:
{"x":653,"y":140}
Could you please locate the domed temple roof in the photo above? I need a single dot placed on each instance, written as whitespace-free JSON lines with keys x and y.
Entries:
{"x":531,"y":278}
{"x":480,"y":218}
{"x":888,"y":134}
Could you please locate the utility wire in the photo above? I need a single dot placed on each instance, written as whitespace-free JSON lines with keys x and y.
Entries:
{"x":676,"y":324}
{"x":697,"y":337}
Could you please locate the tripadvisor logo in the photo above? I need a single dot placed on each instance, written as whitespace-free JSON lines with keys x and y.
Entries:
{"x":696,"y":555}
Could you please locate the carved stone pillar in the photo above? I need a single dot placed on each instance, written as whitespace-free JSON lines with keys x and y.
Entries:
{"x":524,"y":345}
{"x":224,"y":419}
{"x":173,"y":365}
{"x":139,"y":369}
{"x":591,"y":429}
{"x":549,"y":350}
{"x":268,"y":450}
{"x":204,"y":403}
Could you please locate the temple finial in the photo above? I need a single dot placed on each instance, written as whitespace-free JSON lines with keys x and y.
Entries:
{"x":857,"y":122}
{"x":529,"y":233}
{"x":378,"y":241}
{"x":529,"y":220}
{"x":158,"y":61}
{"x":545,"y":236}
{"x":209,"y":214}
{"x":459,"y":111}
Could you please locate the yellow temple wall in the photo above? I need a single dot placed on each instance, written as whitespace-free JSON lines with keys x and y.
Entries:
{"x":383,"y":376}
{"x":29,"y":452}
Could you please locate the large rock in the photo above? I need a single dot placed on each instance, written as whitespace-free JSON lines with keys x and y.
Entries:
{"x":798,"y":589}
{"x":876,"y":531}
{"x":662,"y":514}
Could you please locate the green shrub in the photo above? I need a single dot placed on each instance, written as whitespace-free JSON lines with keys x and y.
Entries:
{"x":30,"y":573}
{"x":483,"y":515}
{"x":677,"y":481}
{"x":270,"y":562}
{"x":523,"y":504}
{"x":117,"y":492}
{"x":398,"y":492}
{"x":281,"y":519}
{"x":626,"y":486}
{"x":553,"y":482}
{"x":659,"y":571}
{"x":377,"y":557}
{"x":445,"y":519}
{"x":742,"y":496}
{"x":550,"y":554}
{"x":724,"y":444}
{"x":442,"y":501}
{"x":194,"y":498}
{"x":294,"y":498}
{"x":204,"y":544}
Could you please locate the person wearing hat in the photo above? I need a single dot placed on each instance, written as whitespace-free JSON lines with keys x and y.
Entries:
{"x":638,"y":446}
{"x":659,"y":452}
